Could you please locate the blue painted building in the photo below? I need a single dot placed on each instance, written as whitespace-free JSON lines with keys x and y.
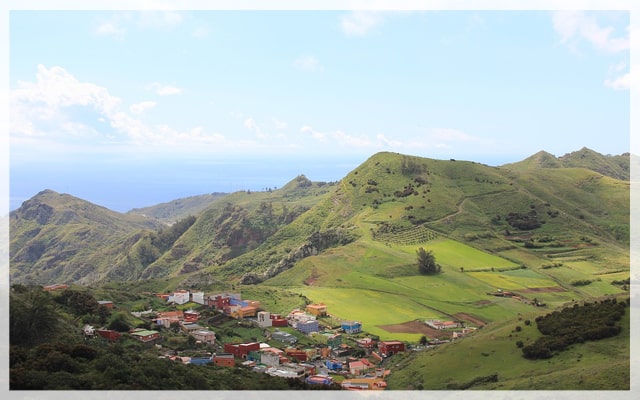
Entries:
{"x":351,"y":327}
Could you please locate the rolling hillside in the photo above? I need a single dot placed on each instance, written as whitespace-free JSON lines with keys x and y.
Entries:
{"x":391,"y":199}
{"x":550,"y":231}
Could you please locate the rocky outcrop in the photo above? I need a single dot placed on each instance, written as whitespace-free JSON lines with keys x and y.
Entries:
{"x":314,"y":245}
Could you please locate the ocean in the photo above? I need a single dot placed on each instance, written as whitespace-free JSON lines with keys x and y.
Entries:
{"x":122,"y":186}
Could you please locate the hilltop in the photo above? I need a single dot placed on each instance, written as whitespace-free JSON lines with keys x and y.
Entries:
{"x":390,"y":198}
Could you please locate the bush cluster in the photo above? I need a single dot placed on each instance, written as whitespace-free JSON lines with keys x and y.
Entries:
{"x":591,"y":321}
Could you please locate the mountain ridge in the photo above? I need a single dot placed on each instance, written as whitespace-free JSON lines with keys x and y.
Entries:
{"x":246,"y":234}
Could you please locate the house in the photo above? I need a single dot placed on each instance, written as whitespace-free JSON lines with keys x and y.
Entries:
{"x":351,"y":327}
{"x":317,"y":310}
{"x":200,"y":360}
{"x":264,"y":319}
{"x":279,"y":322}
{"x":286,"y":371}
{"x":310,"y":369}
{"x":364,"y":384}
{"x":343,"y":350}
{"x":296,"y":316}
{"x":218,"y":302}
{"x":106,"y":303}
{"x":166,"y":318}
{"x":224,"y":360}
{"x":144,"y":335}
{"x":198,"y":297}
{"x":366,"y":343}
{"x":463,"y":332}
{"x":242,"y":312}
{"x":241,"y":350}
{"x":270,"y":358}
{"x":311,"y":353}
{"x":179,"y":297}
{"x":284,"y":337}
{"x":390,"y":347}
{"x":307,"y":327}
{"x":437,"y":324}
{"x":319,"y":380}
{"x":109,"y":334}
{"x":190,"y":327}
{"x":204,"y":336}
{"x":299,"y":355}
{"x":333,"y":365}
{"x":357,"y":367}
{"x":191,"y":316}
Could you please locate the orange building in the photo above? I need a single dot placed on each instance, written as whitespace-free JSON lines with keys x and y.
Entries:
{"x":318,"y":310}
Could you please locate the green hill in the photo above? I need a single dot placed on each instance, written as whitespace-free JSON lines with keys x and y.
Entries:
{"x":59,"y":238}
{"x":548,"y":230}
{"x":173,"y":211}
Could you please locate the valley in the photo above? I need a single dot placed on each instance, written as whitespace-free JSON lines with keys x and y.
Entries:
{"x":513,"y":243}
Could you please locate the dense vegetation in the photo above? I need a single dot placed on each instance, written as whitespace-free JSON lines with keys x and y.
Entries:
{"x":427,"y":262}
{"x":577,"y":324}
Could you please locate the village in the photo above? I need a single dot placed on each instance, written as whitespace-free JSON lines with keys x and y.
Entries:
{"x":308,"y":344}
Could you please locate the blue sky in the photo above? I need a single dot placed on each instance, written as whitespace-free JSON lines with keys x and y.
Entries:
{"x":128,"y":91}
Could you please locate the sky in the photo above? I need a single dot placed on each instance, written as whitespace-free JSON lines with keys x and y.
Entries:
{"x":132,"y":108}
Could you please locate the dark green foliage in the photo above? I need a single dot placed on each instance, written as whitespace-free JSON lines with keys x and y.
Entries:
{"x":119,"y":323}
{"x":524,"y":222}
{"x":32,"y":317}
{"x":79,"y":302}
{"x":581,"y":282}
{"x":427,"y":262}
{"x":591,"y":321}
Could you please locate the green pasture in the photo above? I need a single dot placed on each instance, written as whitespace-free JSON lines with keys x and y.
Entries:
{"x":616,"y":276}
{"x":454,"y":254}
{"x":587,"y":267}
{"x":372,"y":308}
{"x":514,"y":280}
{"x":521,"y":256}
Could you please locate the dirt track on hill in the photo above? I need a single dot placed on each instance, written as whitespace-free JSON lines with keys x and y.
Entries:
{"x":543,"y":290}
{"x":414,"y":327}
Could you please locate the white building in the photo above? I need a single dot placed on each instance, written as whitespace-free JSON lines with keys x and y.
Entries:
{"x":264,"y":319}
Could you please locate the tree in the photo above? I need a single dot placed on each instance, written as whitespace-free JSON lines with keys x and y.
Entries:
{"x":427,"y":262}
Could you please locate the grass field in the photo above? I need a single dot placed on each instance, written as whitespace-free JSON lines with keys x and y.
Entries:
{"x":493,"y":350}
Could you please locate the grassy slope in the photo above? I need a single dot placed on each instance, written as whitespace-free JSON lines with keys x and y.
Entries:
{"x":175,"y":210}
{"x":57,"y":237}
{"x":600,"y":365}
{"x":376,"y":281}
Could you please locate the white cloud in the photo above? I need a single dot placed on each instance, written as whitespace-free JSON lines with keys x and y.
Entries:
{"x":360,"y":23}
{"x":141,"y":107}
{"x":575,"y":26}
{"x":308,"y":63}
{"x":251,"y":124}
{"x":163,"y":90}
{"x":110,"y":28}
{"x":279,"y":124}
{"x":620,"y":83}
{"x":45,"y":116}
